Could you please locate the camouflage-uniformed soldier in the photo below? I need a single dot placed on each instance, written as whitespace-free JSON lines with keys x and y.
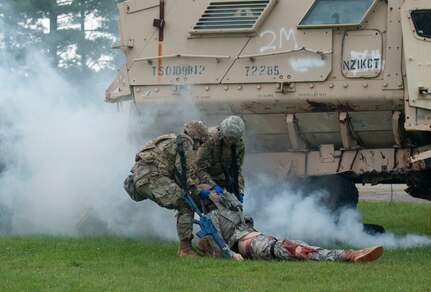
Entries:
{"x":157,"y":175}
{"x":240,"y":237}
{"x":219,"y":161}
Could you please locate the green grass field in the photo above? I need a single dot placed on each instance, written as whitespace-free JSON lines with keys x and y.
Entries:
{"x":124,"y":264}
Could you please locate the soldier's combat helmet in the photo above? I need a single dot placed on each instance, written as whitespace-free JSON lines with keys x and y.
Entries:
{"x":232,"y":126}
{"x":196,"y":130}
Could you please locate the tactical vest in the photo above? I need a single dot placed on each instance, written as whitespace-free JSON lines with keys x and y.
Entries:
{"x":224,"y":162}
{"x":157,"y":155}
{"x":150,"y":151}
{"x":228,"y":216}
{"x":162,"y":153}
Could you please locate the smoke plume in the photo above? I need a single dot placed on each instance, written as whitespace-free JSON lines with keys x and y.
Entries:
{"x":282,"y":212}
{"x":64,"y":154}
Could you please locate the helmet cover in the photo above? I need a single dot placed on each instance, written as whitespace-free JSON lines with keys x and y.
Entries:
{"x":232,"y":126}
{"x":196,"y":130}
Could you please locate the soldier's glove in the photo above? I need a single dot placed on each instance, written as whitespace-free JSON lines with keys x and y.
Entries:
{"x":204,"y":194}
{"x":241,"y":198}
{"x":218,"y":189}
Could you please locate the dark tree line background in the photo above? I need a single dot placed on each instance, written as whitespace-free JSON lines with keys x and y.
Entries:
{"x":60,"y":30}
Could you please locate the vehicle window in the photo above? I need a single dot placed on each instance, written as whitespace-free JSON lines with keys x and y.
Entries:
{"x":422,"y":22}
{"x":336,"y":13}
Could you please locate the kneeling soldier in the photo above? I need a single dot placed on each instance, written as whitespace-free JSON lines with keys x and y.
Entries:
{"x":156,"y":175}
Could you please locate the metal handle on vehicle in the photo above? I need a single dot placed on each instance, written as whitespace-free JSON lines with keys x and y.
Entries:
{"x":150,"y":59}
{"x":252,"y":57}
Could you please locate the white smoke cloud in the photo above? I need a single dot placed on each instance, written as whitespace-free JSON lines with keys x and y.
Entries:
{"x":64,"y":154}
{"x":279,"y":211}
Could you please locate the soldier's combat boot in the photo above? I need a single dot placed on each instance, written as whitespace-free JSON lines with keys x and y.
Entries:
{"x":185,"y":249}
{"x":363,"y":255}
{"x":206,"y":246}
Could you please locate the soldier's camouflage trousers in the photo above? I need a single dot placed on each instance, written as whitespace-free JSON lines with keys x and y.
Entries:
{"x":268,"y":248}
{"x":150,"y":184}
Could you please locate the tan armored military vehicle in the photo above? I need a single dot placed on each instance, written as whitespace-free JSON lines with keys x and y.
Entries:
{"x":327,"y":88}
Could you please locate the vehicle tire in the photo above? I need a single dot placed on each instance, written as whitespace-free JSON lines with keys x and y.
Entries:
{"x":373,"y":229}
{"x":336,"y":191}
{"x":419,"y":185}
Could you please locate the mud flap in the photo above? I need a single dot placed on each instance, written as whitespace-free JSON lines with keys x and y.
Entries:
{"x":119,"y":89}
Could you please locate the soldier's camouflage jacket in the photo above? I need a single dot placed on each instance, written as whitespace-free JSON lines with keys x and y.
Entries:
{"x":161,"y":152}
{"x":229,"y":220}
{"x":210,"y":156}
